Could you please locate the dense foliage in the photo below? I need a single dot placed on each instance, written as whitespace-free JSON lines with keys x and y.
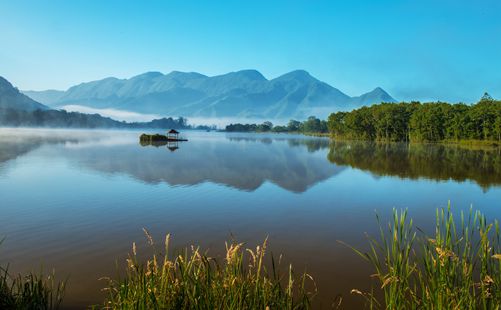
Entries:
{"x":414,"y":121}
{"x":311,"y":125}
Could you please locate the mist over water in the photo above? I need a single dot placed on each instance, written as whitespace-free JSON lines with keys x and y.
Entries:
{"x":129,"y":116}
{"x":75,"y":200}
{"x":221,"y":122}
{"x":120,"y":115}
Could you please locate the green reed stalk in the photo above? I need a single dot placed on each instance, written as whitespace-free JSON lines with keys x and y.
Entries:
{"x":33,"y":291}
{"x":459,"y":268}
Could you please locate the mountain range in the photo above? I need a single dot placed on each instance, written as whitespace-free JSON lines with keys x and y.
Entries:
{"x":245,"y":94}
{"x":17,"y":109}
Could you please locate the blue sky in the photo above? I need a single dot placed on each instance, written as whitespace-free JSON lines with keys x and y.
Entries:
{"x":423,"y":50}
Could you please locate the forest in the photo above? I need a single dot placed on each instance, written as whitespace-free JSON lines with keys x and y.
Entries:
{"x":311,"y":125}
{"x":420,"y":122}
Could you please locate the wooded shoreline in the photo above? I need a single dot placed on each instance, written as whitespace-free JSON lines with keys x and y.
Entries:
{"x":478,"y":124}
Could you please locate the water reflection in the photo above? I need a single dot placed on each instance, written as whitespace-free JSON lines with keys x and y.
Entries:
{"x":242,"y":163}
{"x":13,"y":147}
{"x":170,"y":145}
{"x":247,"y":161}
{"x":413,"y":161}
{"x":311,"y":144}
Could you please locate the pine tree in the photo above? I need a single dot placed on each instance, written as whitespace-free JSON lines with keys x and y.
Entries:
{"x":486,"y":97}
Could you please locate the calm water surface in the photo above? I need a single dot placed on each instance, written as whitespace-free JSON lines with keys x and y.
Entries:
{"x":76,"y":200}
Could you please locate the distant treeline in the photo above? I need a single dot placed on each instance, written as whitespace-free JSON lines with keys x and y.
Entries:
{"x":415,"y":121}
{"x":64,"y":119}
{"x":311,"y":125}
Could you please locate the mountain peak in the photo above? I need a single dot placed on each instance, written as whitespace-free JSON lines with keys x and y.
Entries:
{"x":377,"y":95}
{"x":4,"y":84}
{"x":185,"y":74}
{"x":300,"y":72}
{"x":11,"y":98}
{"x":247,"y":74}
{"x":379,"y":91}
{"x":147,"y":75}
{"x":298,"y":75}
{"x":251,"y":74}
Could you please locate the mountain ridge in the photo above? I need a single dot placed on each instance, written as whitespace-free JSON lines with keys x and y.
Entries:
{"x":12,"y":98}
{"x":244,"y":93}
{"x":17,"y":110}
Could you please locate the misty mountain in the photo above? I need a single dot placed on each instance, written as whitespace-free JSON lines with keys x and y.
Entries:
{"x":18,"y":110}
{"x":378,"y":95}
{"x":48,"y":97}
{"x":11,"y":98}
{"x":245,"y":93}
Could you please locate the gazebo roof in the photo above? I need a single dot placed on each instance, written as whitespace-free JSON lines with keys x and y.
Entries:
{"x":173,"y":131}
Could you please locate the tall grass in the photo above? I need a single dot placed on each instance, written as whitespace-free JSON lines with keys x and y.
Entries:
{"x":193,"y":280}
{"x":32,"y":291}
{"x":459,"y":267}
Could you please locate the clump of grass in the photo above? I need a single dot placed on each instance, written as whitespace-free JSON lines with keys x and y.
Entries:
{"x":458,"y":268}
{"x":193,"y":280}
{"x":32,"y":291}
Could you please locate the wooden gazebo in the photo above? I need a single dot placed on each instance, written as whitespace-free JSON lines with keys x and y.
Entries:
{"x":173,"y":134}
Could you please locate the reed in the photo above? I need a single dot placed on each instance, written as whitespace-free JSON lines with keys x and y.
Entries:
{"x":193,"y":280}
{"x":33,"y":291}
{"x":459,"y":267}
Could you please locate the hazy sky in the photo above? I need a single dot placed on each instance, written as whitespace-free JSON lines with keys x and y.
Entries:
{"x":417,"y":49}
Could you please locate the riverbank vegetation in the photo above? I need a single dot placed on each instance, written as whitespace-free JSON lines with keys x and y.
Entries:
{"x":420,"y":122}
{"x":193,"y":280}
{"x":459,"y":267}
{"x":31,"y":291}
{"x":478,"y":124}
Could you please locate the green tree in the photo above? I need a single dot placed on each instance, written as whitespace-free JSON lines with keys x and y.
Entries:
{"x":336,"y":124}
{"x":497,"y":128}
{"x":294,"y":125}
{"x":313,"y":124}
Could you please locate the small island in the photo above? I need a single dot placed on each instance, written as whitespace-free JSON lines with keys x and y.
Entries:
{"x":172,"y":136}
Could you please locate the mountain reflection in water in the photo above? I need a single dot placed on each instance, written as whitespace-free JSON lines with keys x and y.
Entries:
{"x":246,"y":161}
{"x":242,"y":162}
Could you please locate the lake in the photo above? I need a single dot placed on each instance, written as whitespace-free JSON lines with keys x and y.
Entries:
{"x":76,"y":200}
